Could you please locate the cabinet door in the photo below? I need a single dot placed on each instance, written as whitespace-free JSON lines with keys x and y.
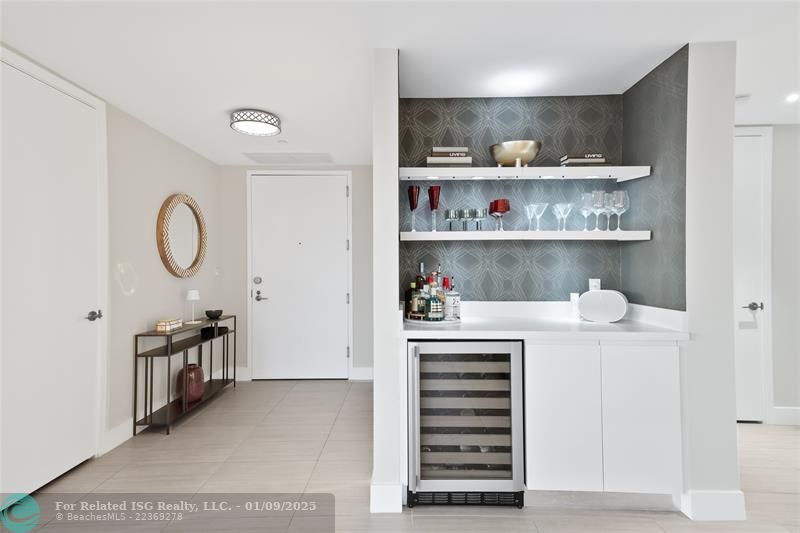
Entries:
{"x":641,"y":419}
{"x":563,"y":435}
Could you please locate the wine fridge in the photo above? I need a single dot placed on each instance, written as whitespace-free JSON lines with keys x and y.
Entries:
{"x":465,"y":423}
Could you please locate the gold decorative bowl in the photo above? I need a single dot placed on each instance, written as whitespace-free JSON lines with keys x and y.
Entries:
{"x":515,"y":153}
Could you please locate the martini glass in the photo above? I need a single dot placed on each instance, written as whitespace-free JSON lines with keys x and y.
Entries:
{"x":562,"y":211}
{"x":538,"y":211}
{"x":433,"y":201}
{"x":413,"y":202}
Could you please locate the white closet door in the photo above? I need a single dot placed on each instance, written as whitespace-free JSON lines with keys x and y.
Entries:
{"x":51,"y":184}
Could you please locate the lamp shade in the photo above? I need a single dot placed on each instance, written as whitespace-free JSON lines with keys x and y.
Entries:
{"x":192,"y":295}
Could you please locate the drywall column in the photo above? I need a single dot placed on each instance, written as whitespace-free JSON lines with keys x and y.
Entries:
{"x":386,"y":491}
{"x":711,"y":477}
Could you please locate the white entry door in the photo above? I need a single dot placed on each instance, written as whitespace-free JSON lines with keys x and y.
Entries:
{"x":299,"y":276}
{"x":751,"y":260}
{"x":53,"y":274}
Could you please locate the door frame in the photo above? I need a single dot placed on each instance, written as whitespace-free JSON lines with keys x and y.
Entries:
{"x":767,"y":401}
{"x":348,"y":175}
{"x":105,"y":439}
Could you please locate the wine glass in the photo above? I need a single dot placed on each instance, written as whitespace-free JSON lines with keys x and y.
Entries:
{"x":433,"y":200}
{"x":501,"y":207}
{"x":598,"y":207}
{"x":608,"y":208}
{"x":538,"y":211}
{"x":622,"y":203}
{"x":585,"y":208}
{"x":413,"y":201}
{"x":562,"y":211}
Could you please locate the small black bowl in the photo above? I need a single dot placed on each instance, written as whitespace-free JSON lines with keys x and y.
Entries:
{"x":214,"y":314}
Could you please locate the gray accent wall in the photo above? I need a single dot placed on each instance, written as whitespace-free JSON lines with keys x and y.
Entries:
{"x":563,"y":123}
{"x":496,"y":271}
{"x":644,"y":126}
{"x":654,"y":133}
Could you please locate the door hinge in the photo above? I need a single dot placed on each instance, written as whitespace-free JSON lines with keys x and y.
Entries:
{"x":347,"y":190}
{"x":348,"y":352}
{"x":348,"y":298}
{"x":347,"y":245}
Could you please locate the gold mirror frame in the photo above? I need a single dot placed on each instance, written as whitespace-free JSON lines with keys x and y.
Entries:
{"x":162,"y":235}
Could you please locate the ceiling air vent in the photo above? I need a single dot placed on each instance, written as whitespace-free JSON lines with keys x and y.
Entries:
{"x":290,"y":158}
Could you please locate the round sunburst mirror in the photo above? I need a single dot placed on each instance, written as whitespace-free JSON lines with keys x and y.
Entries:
{"x":181,"y":235}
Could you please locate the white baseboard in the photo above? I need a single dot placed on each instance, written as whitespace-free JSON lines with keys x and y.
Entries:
{"x":361,"y":373}
{"x":115,"y":436}
{"x":784,"y":416}
{"x":386,"y":498}
{"x":603,"y":501}
{"x":714,"y":505}
{"x":243,"y":373}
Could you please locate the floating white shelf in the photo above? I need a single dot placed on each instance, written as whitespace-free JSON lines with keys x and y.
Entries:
{"x":525,"y":235}
{"x":524,"y":173}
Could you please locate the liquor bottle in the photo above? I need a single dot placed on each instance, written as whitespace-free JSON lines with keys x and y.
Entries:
{"x":420,"y":280}
{"x":411,"y":303}
{"x":434,"y":309}
{"x":438,"y":275}
{"x":452,"y":302}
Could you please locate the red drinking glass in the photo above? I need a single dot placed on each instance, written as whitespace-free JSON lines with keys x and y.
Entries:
{"x":433,"y":196}
{"x":413,"y":201}
{"x":413,"y":196}
{"x":433,"y":200}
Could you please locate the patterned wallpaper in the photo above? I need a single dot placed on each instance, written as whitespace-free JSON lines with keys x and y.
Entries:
{"x":524,"y":270}
{"x":496,"y":271}
{"x":563,"y":124}
{"x":654,"y":272}
{"x":646,"y":125}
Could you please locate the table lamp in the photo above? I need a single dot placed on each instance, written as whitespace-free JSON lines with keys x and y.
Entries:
{"x":193,"y":295}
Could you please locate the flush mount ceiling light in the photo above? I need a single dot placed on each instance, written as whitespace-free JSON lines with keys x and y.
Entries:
{"x":792,"y":98}
{"x":256,"y":122}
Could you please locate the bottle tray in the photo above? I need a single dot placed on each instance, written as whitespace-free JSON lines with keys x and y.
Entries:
{"x":431,"y":323}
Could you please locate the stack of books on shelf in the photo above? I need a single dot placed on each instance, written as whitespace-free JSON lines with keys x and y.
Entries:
{"x":169,"y":325}
{"x":449,"y":156}
{"x":570,"y":160}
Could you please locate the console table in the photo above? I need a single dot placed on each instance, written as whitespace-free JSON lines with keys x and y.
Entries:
{"x":190,"y":338}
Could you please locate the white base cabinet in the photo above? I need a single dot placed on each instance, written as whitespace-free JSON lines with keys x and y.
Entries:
{"x":603,"y":417}
{"x":641,"y":419}
{"x":563,"y":417}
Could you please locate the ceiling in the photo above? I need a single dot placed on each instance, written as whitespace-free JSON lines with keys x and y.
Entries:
{"x":182,"y":67}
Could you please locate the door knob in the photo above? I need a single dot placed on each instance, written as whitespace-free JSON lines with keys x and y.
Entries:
{"x":753,"y":306}
{"x":94,"y":315}
{"x":259,"y":297}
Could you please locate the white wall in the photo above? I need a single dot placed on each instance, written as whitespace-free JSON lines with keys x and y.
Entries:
{"x":234,"y":205}
{"x":711,"y":480}
{"x":144,"y":167}
{"x":386,"y":489}
{"x":786,"y":265}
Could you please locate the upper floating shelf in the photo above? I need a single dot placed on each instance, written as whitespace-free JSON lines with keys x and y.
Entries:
{"x":525,"y":173}
{"x":624,"y":235}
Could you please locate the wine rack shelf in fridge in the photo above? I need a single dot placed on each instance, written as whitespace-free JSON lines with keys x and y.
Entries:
{"x":465,"y":422}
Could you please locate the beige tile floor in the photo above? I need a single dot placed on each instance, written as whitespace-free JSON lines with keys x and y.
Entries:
{"x":315,"y":436}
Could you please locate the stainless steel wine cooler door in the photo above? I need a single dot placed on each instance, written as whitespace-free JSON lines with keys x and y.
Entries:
{"x":465,"y":416}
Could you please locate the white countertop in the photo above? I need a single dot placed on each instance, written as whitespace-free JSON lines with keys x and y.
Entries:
{"x":538,"y":327}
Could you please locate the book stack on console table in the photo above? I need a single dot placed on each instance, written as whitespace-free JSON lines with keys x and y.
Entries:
{"x":582,"y":160}
{"x":449,"y":156}
{"x":167,"y":325}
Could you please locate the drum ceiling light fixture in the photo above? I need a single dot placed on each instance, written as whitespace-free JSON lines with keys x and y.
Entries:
{"x":256,"y":122}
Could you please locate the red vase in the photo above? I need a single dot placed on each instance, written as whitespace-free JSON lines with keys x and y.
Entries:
{"x":196,"y":380}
